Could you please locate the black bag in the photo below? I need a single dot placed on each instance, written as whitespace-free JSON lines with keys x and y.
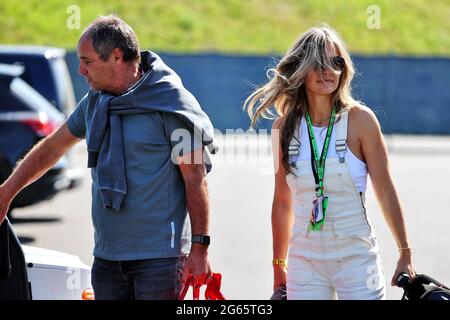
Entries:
{"x":424,"y":287}
{"x":14,"y":283}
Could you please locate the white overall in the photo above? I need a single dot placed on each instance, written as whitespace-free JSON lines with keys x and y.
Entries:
{"x":342,"y":259}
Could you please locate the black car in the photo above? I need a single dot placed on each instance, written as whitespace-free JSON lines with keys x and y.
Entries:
{"x":36,"y":95}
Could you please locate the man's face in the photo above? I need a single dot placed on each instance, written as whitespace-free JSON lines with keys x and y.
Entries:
{"x":98,"y":73}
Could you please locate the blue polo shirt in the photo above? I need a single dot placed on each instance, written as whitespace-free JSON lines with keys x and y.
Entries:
{"x":153,"y":220}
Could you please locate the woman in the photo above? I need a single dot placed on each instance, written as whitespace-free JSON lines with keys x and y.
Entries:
{"x":328,"y":144}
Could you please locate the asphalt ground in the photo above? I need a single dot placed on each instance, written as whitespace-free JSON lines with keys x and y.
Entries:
{"x":241,"y":189}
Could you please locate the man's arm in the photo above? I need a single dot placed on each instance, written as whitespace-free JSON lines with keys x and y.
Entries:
{"x":197,"y":203}
{"x":37,"y":162}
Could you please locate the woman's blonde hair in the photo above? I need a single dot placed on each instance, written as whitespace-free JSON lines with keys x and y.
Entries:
{"x":286,"y":91}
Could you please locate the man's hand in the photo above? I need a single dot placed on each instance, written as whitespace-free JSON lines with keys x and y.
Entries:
{"x":197,"y":266}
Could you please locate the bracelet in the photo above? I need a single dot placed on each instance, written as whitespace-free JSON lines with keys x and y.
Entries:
{"x":405,"y":248}
{"x":279,"y":261}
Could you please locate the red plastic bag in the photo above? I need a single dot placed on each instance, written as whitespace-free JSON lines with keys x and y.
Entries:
{"x":212,"y":291}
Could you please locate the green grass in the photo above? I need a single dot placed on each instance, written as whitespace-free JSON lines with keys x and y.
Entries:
{"x":412,"y":27}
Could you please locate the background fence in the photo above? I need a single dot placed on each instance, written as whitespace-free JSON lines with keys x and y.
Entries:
{"x":408,"y":94}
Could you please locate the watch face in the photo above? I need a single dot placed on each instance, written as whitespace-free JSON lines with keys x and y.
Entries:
{"x":205,"y":240}
{"x":202,"y":239}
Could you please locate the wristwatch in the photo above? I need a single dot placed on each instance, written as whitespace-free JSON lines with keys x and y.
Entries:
{"x":202,"y":239}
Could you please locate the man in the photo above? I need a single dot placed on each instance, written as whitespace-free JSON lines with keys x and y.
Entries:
{"x":133,"y":117}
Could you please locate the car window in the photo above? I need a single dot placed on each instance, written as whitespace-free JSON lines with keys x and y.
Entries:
{"x":37,"y":73}
{"x":64,"y":87}
{"x":9,"y":102}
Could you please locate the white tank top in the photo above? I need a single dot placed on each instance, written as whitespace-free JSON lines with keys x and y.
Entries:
{"x":357,"y":168}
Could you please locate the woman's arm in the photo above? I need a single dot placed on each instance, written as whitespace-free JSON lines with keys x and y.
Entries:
{"x":375,"y":153}
{"x":282,"y":213}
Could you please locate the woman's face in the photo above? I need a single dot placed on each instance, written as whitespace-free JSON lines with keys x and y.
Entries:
{"x":325,"y":83}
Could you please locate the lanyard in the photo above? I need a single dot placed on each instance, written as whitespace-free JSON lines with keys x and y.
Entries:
{"x":318,"y":164}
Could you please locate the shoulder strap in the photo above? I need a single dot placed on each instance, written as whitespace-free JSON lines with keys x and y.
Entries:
{"x":341,"y":136}
{"x":294,"y":145}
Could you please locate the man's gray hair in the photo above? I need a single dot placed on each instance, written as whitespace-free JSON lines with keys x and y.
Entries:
{"x":110,"y":32}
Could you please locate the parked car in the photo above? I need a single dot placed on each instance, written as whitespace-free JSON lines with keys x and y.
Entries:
{"x":30,"y":273}
{"x":45,"y":70}
{"x":36,"y":95}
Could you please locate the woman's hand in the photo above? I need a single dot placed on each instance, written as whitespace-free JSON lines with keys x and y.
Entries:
{"x":405,"y":265}
{"x":279,"y":275}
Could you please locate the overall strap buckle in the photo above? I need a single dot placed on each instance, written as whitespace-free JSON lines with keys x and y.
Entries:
{"x":294,"y":145}
{"x":341,"y":149}
{"x":341,"y":136}
{"x":294,"y":151}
